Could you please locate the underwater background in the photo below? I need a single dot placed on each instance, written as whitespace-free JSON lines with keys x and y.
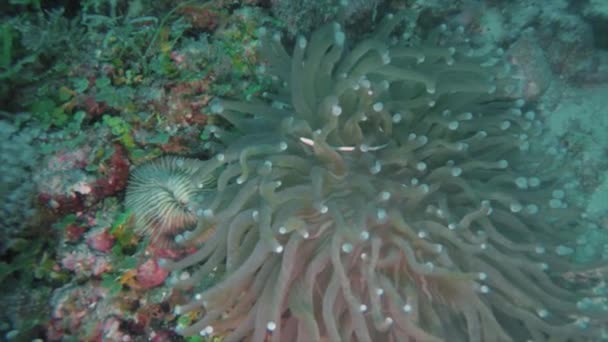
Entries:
{"x":412,"y":170}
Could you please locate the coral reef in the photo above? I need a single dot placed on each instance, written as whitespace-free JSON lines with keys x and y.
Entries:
{"x":67,"y":183}
{"x":304,"y":15}
{"x":93,"y":88}
{"x":380,"y":192}
{"x":17,"y":160}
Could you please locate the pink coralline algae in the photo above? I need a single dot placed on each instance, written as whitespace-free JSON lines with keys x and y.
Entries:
{"x":162,"y":336}
{"x":67,"y":187}
{"x":85,"y":263}
{"x":111,"y":330}
{"x":149,"y":274}
{"x":101,"y":241}
{"x":531,"y":68}
{"x":71,"y":307}
{"x":73,"y":232}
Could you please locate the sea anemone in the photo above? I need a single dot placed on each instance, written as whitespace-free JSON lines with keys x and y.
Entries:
{"x":380,"y":192}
